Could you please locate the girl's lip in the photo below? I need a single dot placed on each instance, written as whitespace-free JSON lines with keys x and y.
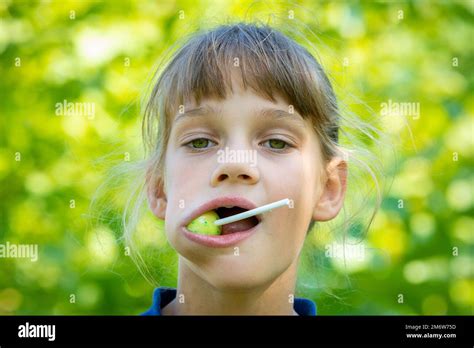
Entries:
{"x":219,"y":241}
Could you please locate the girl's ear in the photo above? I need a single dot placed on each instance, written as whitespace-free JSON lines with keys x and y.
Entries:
{"x":156,"y":194}
{"x":334,"y":191}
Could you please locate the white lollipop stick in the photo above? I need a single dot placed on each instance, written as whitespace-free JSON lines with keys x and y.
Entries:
{"x":253,"y":212}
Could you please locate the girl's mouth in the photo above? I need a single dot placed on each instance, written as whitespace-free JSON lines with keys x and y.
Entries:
{"x":226,"y":221}
{"x":200,"y":227}
{"x":204,"y":223}
{"x":203,"y":231}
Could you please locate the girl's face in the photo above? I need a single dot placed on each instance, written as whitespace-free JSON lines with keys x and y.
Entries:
{"x":283,"y":160}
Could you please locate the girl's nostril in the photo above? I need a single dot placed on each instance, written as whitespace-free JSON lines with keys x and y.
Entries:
{"x":222,"y":177}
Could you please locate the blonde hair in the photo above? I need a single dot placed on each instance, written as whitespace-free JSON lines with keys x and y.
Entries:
{"x":270,"y":64}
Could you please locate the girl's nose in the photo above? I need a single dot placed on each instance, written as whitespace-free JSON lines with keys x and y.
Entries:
{"x":237,"y":173}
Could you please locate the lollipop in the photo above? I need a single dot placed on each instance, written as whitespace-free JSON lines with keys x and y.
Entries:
{"x":204,"y":224}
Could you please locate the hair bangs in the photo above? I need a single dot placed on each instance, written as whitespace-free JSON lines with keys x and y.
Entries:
{"x":258,"y":58}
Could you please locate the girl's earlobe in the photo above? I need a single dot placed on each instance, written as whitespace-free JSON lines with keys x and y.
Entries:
{"x":157,"y":198}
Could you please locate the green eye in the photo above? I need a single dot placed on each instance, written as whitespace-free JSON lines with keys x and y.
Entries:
{"x":277,"y":144}
{"x":200,"y":143}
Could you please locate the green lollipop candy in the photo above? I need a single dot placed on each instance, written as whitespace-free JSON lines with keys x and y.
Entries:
{"x":204,"y":224}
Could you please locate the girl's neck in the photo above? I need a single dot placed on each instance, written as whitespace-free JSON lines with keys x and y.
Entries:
{"x":195,"y":296}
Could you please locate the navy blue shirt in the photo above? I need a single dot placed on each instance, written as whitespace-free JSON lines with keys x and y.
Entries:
{"x":162,"y":296}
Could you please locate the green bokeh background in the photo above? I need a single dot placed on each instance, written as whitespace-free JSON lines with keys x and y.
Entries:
{"x":104,"y":52}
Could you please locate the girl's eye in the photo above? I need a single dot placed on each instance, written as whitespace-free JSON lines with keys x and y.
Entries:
{"x":200,"y":143}
{"x":276,"y":144}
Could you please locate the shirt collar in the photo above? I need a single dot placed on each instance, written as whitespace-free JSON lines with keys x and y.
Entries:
{"x":163,"y":295}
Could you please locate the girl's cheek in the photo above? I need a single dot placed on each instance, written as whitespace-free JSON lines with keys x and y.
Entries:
{"x":293,"y":177}
{"x":185,"y":182}
{"x":186,"y":174}
{"x":301,"y":188}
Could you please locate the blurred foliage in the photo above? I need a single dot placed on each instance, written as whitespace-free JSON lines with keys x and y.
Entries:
{"x":420,"y":245}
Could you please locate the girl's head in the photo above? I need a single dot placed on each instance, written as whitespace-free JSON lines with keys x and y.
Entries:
{"x":243,"y":110}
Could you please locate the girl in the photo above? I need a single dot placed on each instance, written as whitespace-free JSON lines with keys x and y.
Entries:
{"x":241,"y":89}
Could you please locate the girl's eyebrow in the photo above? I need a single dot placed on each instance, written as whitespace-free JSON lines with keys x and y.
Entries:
{"x":267,"y":114}
{"x":205,"y":110}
